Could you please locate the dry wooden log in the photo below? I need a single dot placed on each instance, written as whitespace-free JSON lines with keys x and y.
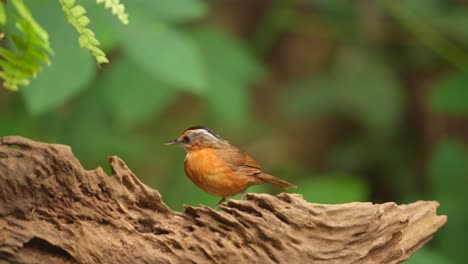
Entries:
{"x":52,"y":210}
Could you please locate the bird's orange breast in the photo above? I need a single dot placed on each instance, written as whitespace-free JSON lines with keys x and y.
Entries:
{"x":213,"y":175}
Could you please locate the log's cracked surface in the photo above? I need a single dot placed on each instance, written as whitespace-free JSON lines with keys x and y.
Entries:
{"x":52,"y":210}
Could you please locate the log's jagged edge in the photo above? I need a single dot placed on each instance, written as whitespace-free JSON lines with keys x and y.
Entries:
{"x":423,"y":216}
{"x":52,"y":210}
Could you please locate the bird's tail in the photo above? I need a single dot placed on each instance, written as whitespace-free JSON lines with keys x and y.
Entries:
{"x":275,"y":181}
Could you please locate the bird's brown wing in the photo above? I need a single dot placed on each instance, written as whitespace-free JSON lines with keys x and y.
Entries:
{"x":239,"y":161}
{"x":244,"y":165}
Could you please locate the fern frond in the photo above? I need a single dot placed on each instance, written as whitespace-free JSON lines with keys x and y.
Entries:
{"x":28,"y":18}
{"x":118,"y":9}
{"x":32,"y":50}
{"x":76,"y":16}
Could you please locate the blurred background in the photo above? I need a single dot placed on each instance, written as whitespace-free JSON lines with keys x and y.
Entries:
{"x":350,"y":100}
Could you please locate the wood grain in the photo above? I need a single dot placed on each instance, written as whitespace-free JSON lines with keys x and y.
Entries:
{"x":52,"y":210}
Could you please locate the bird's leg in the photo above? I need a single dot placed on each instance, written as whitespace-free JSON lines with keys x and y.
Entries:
{"x":243,"y":195}
{"x":221,"y":201}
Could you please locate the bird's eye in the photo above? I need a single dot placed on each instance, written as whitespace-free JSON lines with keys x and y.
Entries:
{"x":186,"y":139}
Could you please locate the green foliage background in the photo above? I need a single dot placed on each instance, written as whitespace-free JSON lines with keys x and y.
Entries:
{"x":351,"y":101}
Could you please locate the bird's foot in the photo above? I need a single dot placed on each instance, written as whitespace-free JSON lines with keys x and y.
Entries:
{"x":243,"y":195}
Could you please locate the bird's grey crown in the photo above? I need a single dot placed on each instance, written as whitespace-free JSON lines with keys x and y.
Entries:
{"x":207,"y":130}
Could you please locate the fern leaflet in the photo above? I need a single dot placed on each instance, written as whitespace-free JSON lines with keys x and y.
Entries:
{"x":32,"y":49}
{"x":76,"y":16}
{"x":118,"y":9}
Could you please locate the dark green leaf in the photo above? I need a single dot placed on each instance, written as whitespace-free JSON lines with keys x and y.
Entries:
{"x":454,"y":23}
{"x":334,"y":189}
{"x":229,"y":104}
{"x":427,"y":256}
{"x":448,"y":168}
{"x":164,"y":52}
{"x":133,"y":94}
{"x":71,"y":70}
{"x":3,"y":17}
{"x":450,"y":95}
{"x":367,"y":91}
{"x":169,"y":10}
{"x":231,"y":70}
{"x":428,"y":9}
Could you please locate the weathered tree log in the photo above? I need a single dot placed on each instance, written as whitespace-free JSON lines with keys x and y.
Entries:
{"x":52,"y":210}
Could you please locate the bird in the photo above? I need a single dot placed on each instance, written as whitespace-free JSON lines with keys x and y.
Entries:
{"x":218,"y":167}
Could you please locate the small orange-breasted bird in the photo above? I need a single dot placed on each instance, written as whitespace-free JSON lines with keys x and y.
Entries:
{"x":218,"y":167}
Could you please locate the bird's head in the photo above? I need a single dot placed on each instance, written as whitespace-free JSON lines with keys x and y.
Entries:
{"x":199,"y":137}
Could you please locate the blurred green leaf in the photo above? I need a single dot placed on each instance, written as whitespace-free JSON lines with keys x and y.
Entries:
{"x":237,"y":62}
{"x":333,"y":7}
{"x":450,"y":95}
{"x":449,"y":167}
{"x":312,"y":97}
{"x":134,"y":95}
{"x":448,"y":170}
{"x":71,"y":70}
{"x":231,"y":70}
{"x":360,"y":85}
{"x":229,"y":104}
{"x":17,"y":123}
{"x":87,"y":126}
{"x":420,"y":22}
{"x":3,"y":17}
{"x":333,"y":189}
{"x":427,"y":256}
{"x":426,"y":8}
{"x":169,"y":10}
{"x":165,"y":52}
{"x":92,"y":134}
{"x":454,"y":23}
{"x":278,"y":18}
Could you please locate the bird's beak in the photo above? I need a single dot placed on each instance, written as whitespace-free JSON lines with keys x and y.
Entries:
{"x":172,"y":142}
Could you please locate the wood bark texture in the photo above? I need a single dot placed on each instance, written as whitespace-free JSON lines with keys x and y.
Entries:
{"x":52,"y":210}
